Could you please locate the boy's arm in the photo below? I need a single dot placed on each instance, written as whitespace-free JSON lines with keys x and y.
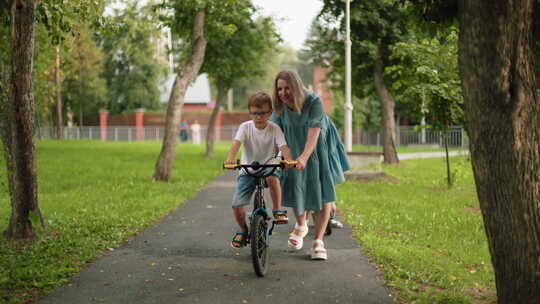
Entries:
{"x":231,"y":157}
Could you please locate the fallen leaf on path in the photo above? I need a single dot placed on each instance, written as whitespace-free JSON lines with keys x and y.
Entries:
{"x":359,"y":275}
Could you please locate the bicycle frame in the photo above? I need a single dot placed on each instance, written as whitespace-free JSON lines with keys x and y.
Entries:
{"x":260,"y":231}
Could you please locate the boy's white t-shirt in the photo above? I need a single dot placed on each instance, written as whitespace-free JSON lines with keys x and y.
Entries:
{"x":259,"y":145}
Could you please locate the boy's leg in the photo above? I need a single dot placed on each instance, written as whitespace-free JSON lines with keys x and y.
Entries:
{"x":280,"y":215}
{"x":275,"y":191}
{"x":242,"y":196}
{"x":240,"y":239}
{"x":240,"y":217}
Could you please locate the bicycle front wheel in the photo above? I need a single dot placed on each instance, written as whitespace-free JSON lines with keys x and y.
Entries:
{"x":259,"y":244}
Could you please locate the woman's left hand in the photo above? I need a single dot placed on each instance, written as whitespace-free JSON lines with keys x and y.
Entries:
{"x":301,"y":165}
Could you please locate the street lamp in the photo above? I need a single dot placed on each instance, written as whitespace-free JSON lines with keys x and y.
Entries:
{"x":348,"y":103}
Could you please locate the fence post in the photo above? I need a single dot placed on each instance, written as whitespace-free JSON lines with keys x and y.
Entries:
{"x":103,"y":119}
{"x":139,"y":122}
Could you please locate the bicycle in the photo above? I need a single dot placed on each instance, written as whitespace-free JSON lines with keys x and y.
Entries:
{"x":260,"y":230}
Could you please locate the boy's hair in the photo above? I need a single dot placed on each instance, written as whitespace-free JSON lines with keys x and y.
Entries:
{"x":259,"y":99}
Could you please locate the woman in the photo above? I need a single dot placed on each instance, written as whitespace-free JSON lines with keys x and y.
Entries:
{"x":314,"y":141}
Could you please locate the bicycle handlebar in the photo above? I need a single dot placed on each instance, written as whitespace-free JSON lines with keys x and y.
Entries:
{"x":257,"y":166}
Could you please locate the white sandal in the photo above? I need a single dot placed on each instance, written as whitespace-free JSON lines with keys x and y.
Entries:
{"x":299,"y":239}
{"x":318,"y":252}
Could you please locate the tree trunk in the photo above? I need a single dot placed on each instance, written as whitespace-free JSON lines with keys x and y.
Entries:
{"x":185,"y":75}
{"x":499,"y":89}
{"x":387,"y":109}
{"x":20,"y":124}
{"x":447,"y":155}
{"x":3,"y":97}
{"x":81,"y":95}
{"x":58,"y":86}
{"x":211,"y":132}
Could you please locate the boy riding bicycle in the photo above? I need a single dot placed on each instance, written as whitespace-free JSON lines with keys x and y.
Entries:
{"x":261,"y":140}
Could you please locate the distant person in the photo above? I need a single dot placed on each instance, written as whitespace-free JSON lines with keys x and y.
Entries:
{"x":315,"y":143}
{"x":261,"y":140}
{"x":196,"y":133}
{"x":184,"y":127}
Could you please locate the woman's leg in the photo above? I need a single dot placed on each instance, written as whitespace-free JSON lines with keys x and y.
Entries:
{"x":299,"y":232}
{"x":300,"y":218}
{"x":321,"y":220}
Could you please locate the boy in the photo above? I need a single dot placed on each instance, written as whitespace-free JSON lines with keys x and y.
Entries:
{"x":261,"y":140}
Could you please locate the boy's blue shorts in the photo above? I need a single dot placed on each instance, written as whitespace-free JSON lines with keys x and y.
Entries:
{"x":245,"y":187}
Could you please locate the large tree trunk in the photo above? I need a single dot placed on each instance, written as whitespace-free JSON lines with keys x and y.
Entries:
{"x":387,"y":109}
{"x":210,"y":134}
{"x":185,"y":75}
{"x":58,"y":86}
{"x":503,"y":114}
{"x":20,"y":124}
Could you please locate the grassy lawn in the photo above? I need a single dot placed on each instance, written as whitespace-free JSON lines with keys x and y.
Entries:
{"x":429,"y":241}
{"x":93,"y":196}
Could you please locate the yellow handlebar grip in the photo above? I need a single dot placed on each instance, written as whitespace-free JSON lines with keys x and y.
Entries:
{"x":292,"y":162}
{"x":230,"y":166}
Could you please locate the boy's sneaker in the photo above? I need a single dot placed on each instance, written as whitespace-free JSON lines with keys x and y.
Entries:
{"x":335,"y":223}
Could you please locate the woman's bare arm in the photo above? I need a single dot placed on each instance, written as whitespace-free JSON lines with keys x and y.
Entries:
{"x":311,"y":143}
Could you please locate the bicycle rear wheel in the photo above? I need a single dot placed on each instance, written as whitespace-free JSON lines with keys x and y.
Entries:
{"x":259,"y":244}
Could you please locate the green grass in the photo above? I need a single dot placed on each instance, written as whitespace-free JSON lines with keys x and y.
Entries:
{"x":93,"y":196}
{"x":427,"y":239}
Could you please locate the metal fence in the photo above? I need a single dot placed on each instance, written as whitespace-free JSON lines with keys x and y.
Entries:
{"x":409,"y":136}
{"x":127,"y":133}
{"x":405,"y":136}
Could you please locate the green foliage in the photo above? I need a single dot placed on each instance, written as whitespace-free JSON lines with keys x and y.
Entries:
{"x":93,"y":196}
{"x":427,"y":77}
{"x":132,"y":69}
{"x":60,"y":17}
{"x":376,"y":26}
{"x":238,"y":51}
{"x":432,"y":15}
{"x":44,"y":75}
{"x":283,"y":57}
{"x":428,"y":240}
{"x":366,"y":111}
{"x":84,"y":89}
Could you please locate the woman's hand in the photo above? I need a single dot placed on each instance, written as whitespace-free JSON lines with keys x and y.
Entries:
{"x":288,"y":164}
{"x":301,"y":165}
{"x":230,"y":162}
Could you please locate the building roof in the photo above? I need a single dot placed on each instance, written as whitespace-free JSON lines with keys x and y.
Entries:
{"x":198,"y":92}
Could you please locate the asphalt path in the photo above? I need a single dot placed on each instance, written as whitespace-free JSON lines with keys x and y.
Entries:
{"x":186,"y":258}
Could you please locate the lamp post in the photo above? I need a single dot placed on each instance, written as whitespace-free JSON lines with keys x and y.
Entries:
{"x":348,"y":103}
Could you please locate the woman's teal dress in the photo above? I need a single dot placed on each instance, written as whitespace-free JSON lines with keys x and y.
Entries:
{"x":315,"y":185}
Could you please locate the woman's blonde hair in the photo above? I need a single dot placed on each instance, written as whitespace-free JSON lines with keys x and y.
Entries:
{"x":299,"y":92}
